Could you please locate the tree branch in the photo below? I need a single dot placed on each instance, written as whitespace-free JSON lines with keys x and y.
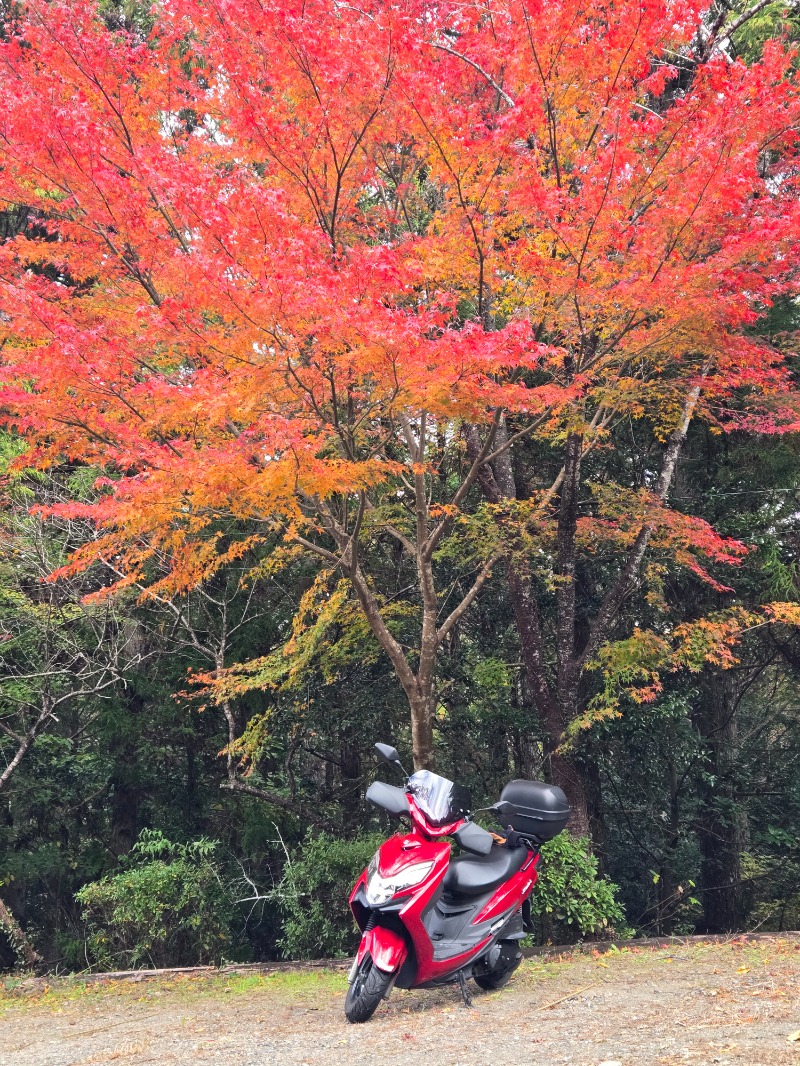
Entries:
{"x":498,"y":89}
{"x":714,"y":33}
{"x":233,"y":784}
{"x":619,"y":590}
{"x":377,"y":622}
{"x":459,"y":611}
{"x":430,"y":545}
{"x":25,"y":741}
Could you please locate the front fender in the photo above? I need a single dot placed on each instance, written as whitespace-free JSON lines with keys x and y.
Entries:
{"x":387,"y":948}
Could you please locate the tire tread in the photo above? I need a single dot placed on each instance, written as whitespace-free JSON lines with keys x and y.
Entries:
{"x":360,"y":1008}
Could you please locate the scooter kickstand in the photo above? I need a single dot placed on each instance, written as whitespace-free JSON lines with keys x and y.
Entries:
{"x":465,"y":994}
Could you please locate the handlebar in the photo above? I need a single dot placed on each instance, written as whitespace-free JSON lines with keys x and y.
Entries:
{"x":521,"y":840}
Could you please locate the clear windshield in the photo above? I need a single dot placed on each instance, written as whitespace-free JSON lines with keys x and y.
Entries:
{"x":440,"y":800}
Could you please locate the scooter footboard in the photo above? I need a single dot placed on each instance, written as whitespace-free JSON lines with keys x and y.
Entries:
{"x":387,"y":948}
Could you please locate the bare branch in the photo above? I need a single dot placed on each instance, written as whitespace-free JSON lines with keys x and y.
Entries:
{"x":470,"y":62}
{"x":428,"y":547}
{"x":619,"y":590}
{"x":458,"y":612}
{"x":24,"y":744}
{"x":235,"y":785}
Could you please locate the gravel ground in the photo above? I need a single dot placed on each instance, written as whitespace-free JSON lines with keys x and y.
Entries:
{"x":693,"y":1006}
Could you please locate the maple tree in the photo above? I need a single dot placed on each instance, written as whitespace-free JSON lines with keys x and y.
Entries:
{"x":324,"y":272}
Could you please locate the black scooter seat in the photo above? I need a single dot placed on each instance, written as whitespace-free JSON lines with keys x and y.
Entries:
{"x":470,"y":875}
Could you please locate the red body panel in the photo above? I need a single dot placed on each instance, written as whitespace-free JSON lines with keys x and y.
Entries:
{"x":397,"y":852}
{"x":514,"y":890}
{"x":387,"y":947}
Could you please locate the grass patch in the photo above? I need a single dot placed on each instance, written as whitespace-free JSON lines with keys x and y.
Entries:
{"x":307,"y":985}
{"x":53,"y":994}
{"x":308,"y":982}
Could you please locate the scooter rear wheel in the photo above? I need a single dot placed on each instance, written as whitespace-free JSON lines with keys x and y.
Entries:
{"x":367,"y":989}
{"x":500,"y":974}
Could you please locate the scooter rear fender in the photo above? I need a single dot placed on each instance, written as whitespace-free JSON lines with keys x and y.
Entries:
{"x":387,"y":948}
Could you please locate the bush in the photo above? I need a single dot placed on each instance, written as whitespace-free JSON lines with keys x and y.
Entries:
{"x":570,"y":900}
{"x":313,"y":896}
{"x":771,"y":882}
{"x":169,"y":908}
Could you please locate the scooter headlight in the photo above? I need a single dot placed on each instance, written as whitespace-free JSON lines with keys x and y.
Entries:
{"x":381,"y":889}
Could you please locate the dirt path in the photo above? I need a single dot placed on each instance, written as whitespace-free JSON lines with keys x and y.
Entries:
{"x":684,"y":1006}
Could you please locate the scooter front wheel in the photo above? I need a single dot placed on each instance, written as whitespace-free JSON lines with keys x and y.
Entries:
{"x":367,"y":989}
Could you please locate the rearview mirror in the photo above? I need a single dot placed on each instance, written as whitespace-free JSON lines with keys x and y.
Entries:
{"x":387,"y":753}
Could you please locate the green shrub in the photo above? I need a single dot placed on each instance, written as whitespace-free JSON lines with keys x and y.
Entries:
{"x":771,"y":880}
{"x":570,"y":900}
{"x":170,"y":907}
{"x":313,"y":896}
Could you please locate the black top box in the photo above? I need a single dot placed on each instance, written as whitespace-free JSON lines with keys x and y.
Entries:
{"x":541,"y":810}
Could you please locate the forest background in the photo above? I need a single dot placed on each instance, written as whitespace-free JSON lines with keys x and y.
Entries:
{"x":423,"y":374}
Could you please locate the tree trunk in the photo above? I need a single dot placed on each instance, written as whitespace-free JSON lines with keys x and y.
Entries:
{"x":350,"y":760}
{"x":422,"y":730}
{"x":564,"y":773}
{"x":670,"y":898}
{"x":126,"y":788}
{"x":720,"y":828}
{"x":498,"y":484}
{"x":593,"y":789}
{"x":560,"y":769}
{"x":23,"y":948}
{"x":556,"y":709}
{"x":558,"y":698}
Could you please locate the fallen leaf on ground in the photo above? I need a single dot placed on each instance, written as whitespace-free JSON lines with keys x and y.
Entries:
{"x":743,"y":969}
{"x":794,"y":1036}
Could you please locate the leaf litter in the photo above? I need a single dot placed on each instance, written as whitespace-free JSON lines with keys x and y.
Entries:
{"x":700,"y":1010}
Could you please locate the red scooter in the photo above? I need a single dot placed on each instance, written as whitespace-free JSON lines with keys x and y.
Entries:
{"x":428,"y":919}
